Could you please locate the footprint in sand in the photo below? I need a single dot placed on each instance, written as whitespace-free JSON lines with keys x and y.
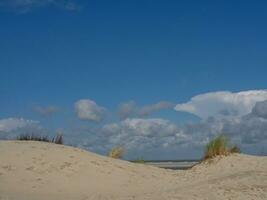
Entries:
{"x":8,"y":168}
{"x":31,"y":168}
{"x":65,"y":165}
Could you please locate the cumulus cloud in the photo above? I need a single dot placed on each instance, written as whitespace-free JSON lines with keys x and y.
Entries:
{"x":10,"y":128}
{"x":11,"y":124}
{"x":223,"y":103}
{"x":87,"y":109}
{"x":260,"y":109}
{"x":23,"y":6}
{"x":46,"y":110}
{"x":137,"y":134}
{"x":247,"y":129}
{"x":241,"y":116}
{"x":148,"y":136}
{"x":130,"y":109}
{"x":246,"y":125}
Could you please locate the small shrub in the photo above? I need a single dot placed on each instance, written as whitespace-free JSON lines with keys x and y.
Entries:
{"x":116,"y":152}
{"x":58,"y":139}
{"x":220,"y":146}
{"x":235,"y":149}
{"x":32,"y":137}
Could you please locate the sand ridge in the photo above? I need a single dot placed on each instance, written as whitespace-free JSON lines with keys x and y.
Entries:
{"x":37,"y":170}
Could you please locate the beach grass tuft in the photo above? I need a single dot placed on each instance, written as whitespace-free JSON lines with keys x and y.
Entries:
{"x":117,"y":152}
{"x":220,"y":145}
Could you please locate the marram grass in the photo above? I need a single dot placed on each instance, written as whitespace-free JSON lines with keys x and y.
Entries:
{"x":116,"y":152}
{"x":220,"y":146}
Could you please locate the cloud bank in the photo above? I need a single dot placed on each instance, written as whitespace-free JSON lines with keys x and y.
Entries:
{"x":223,"y":103}
{"x":136,"y":134}
{"x":10,"y":128}
{"x":242,"y":116}
{"x":11,"y":124}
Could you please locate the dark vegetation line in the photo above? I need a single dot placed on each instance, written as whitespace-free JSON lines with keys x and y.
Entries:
{"x":58,"y":139}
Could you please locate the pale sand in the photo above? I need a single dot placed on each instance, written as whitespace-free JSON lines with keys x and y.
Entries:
{"x":35,"y":170}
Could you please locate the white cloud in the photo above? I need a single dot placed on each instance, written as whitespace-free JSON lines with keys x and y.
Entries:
{"x":260,"y":109}
{"x":144,"y":127}
{"x":144,"y":134}
{"x":11,"y":124}
{"x":87,"y":109}
{"x":24,"y":6}
{"x":10,"y":128}
{"x":244,"y":130}
{"x":148,"y":136}
{"x":223,"y":103}
{"x":130,"y":109}
{"x":242,"y":116}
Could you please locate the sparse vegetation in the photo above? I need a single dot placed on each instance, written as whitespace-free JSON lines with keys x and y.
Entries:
{"x":140,"y":160}
{"x":220,"y":146}
{"x":235,"y":149}
{"x":117,"y":152}
{"x":33,"y":137}
{"x":58,"y":139}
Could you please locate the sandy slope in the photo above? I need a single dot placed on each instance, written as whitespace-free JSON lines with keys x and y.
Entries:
{"x":34,"y":170}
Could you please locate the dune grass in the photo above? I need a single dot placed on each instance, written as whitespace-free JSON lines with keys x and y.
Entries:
{"x":140,"y":161}
{"x":34,"y":137}
{"x":220,"y":145}
{"x":117,"y":152}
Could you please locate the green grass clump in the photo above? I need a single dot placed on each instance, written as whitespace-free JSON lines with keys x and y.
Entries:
{"x":220,"y":146}
{"x":117,"y":152}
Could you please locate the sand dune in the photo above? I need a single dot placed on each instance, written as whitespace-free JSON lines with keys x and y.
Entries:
{"x":35,"y":170}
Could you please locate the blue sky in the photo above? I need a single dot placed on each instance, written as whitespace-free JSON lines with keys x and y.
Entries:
{"x":55,"y":53}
